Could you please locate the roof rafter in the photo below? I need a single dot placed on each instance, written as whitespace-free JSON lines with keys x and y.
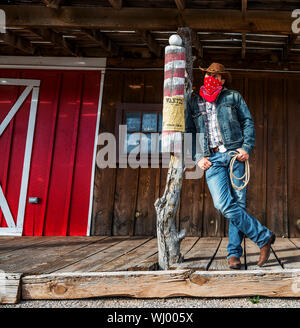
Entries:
{"x":290,"y":42}
{"x":58,"y":40}
{"x":244,"y":8}
{"x":116,"y":4}
{"x":18,"y":42}
{"x":180,"y":4}
{"x":147,"y":19}
{"x":243,"y":46}
{"x":55,"y":4}
{"x":153,"y":46}
{"x":102,"y":40}
{"x":197,"y":43}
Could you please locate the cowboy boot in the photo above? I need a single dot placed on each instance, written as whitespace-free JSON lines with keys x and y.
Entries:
{"x":234,"y":263}
{"x":265,"y":251}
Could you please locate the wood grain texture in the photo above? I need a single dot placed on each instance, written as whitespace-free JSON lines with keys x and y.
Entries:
{"x":10,"y":288}
{"x":162,"y":284}
{"x":293,"y":155}
{"x":287,"y":253}
{"x":252,"y":256}
{"x":200,"y":256}
{"x":275,"y":166}
{"x":95,"y":261}
{"x":191,"y":206}
{"x":220,"y":262}
{"x":103,"y":202}
{"x":256,"y":189}
{"x":29,"y":259}
{"x":151,"y":262}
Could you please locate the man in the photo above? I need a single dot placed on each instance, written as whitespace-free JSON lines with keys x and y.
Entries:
{"x":226,"y":122}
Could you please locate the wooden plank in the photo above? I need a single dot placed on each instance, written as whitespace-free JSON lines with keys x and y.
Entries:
{"x":162,"y":284}
{"x":76,"y":255}
{"x":256,"y":189}
{"x":148,"y":19}
{"x":17,"y":42}
{"x":200,"y":255}
{"x":128,"y":178}
{"x":149,"y":180}
{"x":287,"y":253}
{"x":30,"y":258}
{"x":180,"y":4}
{"x":145,"y":222}
{"x":116,"y":4}
{"x":293,"y":155}
{"x":191,"y":206}
{"x":151,"y":263}
{"x":130,"y":259}
{"x":19,"y":243}
{"x":96,"y":261}
{"x":295,"y":241}
{"x":252,"y":256}
{"x":10,"y":287}
{"x":275,"y":283}
{"x":275,"y":147}
{"x":220,"y":262}
{"x":103,"y":203}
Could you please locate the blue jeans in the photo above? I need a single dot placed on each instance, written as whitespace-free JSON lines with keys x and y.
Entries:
{"x":232,"y":203}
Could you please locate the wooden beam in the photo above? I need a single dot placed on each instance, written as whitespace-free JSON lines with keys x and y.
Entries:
{"x":180,"y":4}
{"x":290,"y":42}
{"x":244,"y":8}
{"x":10,"y":288}
{"x":18,"y":42}
{"x":162,"y":284}
{"x":102,"y":40}
{"x":165,"y":19}
{"x":57,"y":39}
{"x":116,"y":4}
{"x":197,"y":43}
{"x":243,"y":46}
{"x":55,"y":4}
{"x":153,"y":46}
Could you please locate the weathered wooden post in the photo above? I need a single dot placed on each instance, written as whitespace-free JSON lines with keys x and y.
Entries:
{"x":175,"y":88}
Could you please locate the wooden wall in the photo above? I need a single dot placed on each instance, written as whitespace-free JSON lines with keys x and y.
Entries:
{"x":124,"y":197}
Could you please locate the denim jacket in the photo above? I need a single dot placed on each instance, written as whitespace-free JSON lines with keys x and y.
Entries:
{"x":234,"y":119}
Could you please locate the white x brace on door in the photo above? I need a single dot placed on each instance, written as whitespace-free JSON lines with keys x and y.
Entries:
{"x":15,"y":229}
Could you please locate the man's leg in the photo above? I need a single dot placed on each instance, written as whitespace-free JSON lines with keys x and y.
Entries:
{"x":235,"y":236}
{"x":219,"y":185}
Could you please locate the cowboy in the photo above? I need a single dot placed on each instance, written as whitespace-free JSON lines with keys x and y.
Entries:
{"x":222,"y":116}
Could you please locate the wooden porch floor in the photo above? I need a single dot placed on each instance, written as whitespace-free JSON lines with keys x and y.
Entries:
{"x":46,"y":267}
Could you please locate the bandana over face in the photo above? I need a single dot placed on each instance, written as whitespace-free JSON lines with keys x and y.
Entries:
{"x":211,"y":88}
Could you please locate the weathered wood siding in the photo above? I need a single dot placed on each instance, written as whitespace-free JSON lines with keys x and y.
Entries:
{"x":124,"y":198}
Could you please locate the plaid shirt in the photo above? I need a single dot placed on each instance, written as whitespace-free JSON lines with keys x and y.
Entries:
{"x":208,"y":110}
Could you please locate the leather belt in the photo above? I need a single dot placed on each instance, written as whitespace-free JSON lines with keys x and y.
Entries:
{"x":216,"y":149}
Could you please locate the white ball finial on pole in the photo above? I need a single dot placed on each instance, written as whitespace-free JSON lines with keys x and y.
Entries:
{"x":175,"y":40}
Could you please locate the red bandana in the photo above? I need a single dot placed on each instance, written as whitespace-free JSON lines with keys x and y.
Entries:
{"x":211,"y":88}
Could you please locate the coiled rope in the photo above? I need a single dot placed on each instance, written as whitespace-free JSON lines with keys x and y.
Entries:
{"x":246,"y":175}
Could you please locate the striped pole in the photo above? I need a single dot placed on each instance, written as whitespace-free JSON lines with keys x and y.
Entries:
{"x":173,"y":104}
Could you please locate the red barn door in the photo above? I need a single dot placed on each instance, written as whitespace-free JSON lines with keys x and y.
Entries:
{"x":61,"y":163}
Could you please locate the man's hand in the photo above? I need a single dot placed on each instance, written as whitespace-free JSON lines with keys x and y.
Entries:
{"x":204,"y":163}
{"x":244,"y":155}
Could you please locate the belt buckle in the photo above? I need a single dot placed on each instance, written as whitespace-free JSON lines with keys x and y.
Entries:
{"x":222,"y":149}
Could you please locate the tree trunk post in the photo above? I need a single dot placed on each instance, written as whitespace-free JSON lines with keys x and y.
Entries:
{"x":168,"y":238}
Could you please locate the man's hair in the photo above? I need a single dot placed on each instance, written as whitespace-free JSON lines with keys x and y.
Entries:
{"x":226,"y":83}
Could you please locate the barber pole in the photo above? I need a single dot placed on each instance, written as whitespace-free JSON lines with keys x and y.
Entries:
{"x":173,"y":105}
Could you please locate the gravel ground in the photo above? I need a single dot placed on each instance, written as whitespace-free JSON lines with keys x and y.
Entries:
{"x":182,"y":302}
